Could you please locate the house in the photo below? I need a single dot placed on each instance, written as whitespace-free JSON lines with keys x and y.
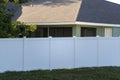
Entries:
{"x":67,"y":18}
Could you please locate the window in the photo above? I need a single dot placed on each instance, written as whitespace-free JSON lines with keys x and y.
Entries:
{"x":53,"y":31}
{"x":88,"y":32}
{"x":60,"y":31}
{"x":40,"y":32}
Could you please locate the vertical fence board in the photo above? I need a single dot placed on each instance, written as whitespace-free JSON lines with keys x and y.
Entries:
{"x":109,"y":51}
{"x":62,"y":53}
{"x":86,"y":52}
{"x":36,"y":54}
{"x":10,"y":55}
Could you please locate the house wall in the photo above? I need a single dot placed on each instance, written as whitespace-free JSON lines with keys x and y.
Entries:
{"x":108,"y":32}
{"x":116,"y":32}
{"x":52,"y":29}
{"x":76,"y":30}
{"x":100,"y":31}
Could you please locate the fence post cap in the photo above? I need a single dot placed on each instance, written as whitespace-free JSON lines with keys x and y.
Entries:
{"x":50,"y":36}
{"x":74,"y":36}
{"x":97,"y":36}
{"x":24,"y":36}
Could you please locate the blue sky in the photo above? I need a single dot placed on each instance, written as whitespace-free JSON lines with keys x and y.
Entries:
{"x":114,"y":1}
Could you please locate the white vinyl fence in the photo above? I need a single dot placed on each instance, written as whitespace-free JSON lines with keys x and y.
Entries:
{"x":21,"y":54}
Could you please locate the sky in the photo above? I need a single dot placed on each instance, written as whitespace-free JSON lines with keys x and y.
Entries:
{"x":114,"y":1}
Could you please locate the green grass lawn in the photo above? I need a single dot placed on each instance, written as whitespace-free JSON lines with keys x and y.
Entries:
{"x":94,"y":73}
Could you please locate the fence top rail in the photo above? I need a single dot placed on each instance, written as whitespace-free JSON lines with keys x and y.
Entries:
{"x":61,"y":38}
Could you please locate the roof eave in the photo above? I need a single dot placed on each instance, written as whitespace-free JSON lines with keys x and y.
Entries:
{"x":51,"y":23}
{"x":75,"y":23}
{"x":98,"y":24}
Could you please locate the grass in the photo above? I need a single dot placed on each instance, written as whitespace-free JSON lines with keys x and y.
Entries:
{"x":93,"y":73}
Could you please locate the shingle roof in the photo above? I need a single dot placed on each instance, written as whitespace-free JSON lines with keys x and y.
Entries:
{"x":95,"y":11}
{"x":99,"y":11}
{"x":50,"y":11}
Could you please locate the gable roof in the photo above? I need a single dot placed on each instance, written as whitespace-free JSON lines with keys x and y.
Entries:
{"x":50,"y":11}
{"x":57,"y":11}
{"x":99,"y":11}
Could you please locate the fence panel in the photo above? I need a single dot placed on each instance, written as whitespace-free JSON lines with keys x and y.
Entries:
{"x":11,"y":54}
{"x":109,"y":51}
{"x":52,"y":53}
{"x":62,"y":53}
{"x":36,"y":55}
{"x":86,"y":52}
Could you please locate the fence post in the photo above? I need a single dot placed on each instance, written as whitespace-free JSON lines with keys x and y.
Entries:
{"x":97,"y":62}
{"x":74,"y":56}
{"x":23,"y":52}
{"x":50,"y":53}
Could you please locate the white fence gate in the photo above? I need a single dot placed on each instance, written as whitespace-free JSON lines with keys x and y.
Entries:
{"x":21,"y":54}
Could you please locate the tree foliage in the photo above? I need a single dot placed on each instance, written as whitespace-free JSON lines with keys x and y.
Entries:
{"x":5,"y":21}
{"x":20,"y":29}
{"x":12,"y":29}
{"x":17,"y":1}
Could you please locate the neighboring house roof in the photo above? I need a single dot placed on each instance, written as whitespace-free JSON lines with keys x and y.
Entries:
{"x":57,"y":11}
{"x":50,"y":11}
{"x":11,"y":8}
{"x":99,"y":11}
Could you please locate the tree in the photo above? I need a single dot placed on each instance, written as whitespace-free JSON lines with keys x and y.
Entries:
{"x":20,"y":29}
{"x":12,"y":29}
{"x":17,"y":1}
{"x":5,"y":21}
